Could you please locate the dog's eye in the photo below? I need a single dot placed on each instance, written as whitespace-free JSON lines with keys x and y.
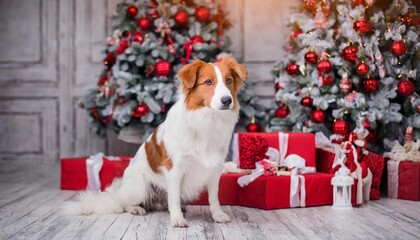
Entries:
{"x":229,"y":81}
{"x":208,"y":82}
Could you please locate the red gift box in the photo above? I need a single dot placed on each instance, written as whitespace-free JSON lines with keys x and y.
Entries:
{"x":375,"y":162}
{"x":404,"y":180}
{"x":250,"y":148}
{"x":74,"y":172}
{"x":228,"y":191}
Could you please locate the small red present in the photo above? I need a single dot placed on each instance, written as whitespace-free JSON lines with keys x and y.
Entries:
{"x":404,"y":180}
{"x":249,"y":148}
{"x":94,"y":174}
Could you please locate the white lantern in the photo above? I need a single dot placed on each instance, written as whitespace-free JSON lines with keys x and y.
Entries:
{"x":342,"y":182}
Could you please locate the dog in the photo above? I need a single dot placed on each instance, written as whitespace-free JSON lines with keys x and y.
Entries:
{"x":185,"y":154}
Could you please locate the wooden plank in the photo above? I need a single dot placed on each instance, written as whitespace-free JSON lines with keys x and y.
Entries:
{"x":74,"y":230}
{"x":142,"y":227}
{"x":119,"y":227}
{"x":248,"y":225}
{"x":99,"y":227}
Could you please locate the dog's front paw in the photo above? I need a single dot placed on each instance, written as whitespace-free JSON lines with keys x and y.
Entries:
{"x":135,"y":210}
{"x":179,"y":221}
{"x":220,"y":217}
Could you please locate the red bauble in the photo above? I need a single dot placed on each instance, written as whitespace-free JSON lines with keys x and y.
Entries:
{"x":144,"y":23}
{"x":362,"y":26}
{"x":350,"y":53}
{"x":318,"y":116}
{"x":345,"y":85}
{"x":109,"y":60}
{"x":163,"y":68}
{"x":362,"y":69}
{"x":197,"y":39}
{"x":311,"y":5}
{"x":253,"y":127}
{"x":370,"y":84}
{"x":102,"y":80}
{"x":324,"y":66}
{"x":326,"y":80}
{"x":357,"y":2}
{"x":306,"y":101}
{"x":325,"y":7}
{"x":138,"y":37}
{"x":202,"y":14}
{"x":292,"y":69}
{"x":277,"y":86}
{"x":132,"y":11}
{"x":122,"y":46}
{"x":140,"y":110}
{"x":418,"y":108}
{"x":282,"y":111}
{"x":405,"y":88}
{"x":311,"y":57}
{"x":181,"y":17}
{"x":340,"y":127}
{"x":398,"y":48}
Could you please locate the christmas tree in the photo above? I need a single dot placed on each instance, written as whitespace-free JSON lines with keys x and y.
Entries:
{"x":349,"y":63}
{"x":152,"y":40}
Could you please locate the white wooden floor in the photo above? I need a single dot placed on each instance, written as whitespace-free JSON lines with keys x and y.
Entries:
{"x":30,"y":201}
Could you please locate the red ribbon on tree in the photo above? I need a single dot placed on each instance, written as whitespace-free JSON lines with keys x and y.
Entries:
{"x":107,"y":119}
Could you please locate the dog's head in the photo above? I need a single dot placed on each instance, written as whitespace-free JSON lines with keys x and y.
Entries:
{"x":213,"y":85}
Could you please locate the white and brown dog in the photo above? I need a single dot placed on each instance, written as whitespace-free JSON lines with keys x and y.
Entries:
{"x":185,"y":154}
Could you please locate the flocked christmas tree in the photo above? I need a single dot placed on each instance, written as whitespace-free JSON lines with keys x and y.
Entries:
{"x":152,"y":40}
{"x":348,"y":62}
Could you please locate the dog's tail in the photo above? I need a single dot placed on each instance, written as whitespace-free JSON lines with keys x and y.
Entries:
{"x":96,"y":202}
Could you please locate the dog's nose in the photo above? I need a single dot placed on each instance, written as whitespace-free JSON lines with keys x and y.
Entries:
{"x":226,"y":101}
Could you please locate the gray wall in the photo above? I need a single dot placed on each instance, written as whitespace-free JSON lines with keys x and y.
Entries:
{"x":50,"y":53}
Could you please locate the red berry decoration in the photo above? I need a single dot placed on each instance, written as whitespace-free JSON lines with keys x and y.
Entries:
{"x":398,"y":48}
{"x":357,"y":2}
{"x":132,"y":11}
{"x":253,"y":127}
{"x":277,"y":86}
{"x":138,"y":37}
{"x":350,"y":53}
{"x":362,"y":26}
{"x":197,"y":39}
{"x":140,"y":110}
{"x":144,"y":23}
{"x":311,"y":5}
{"x":162,"y":68}
{"x":202,"y":14}
{"x":295,"y":33}
{"x":311,"y":57}
{"x":362,"y":69}
{"x":102,"y":80}
{"x":110,"y":60}
{"x":292,"y":69}
{"x":340,"y":127}
{"x":324,"y":66}
{"x":405,"y":88}
{"x":122,"y":46}
{"x":370,"y":84}
{"x":318,"y":116}
{"x":282,"y":111}
{"x":306,"y":101}
{"x":181,"y":17}
{"x":326,"y":80}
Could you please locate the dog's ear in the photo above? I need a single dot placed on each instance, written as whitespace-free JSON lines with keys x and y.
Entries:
{"x":189,"y":74}
{"x":239,"y":71}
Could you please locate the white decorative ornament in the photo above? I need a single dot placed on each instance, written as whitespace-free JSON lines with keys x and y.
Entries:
{"x":342,"y":182}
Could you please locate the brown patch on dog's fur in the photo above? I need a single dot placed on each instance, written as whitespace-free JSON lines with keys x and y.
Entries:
{"x":156,"y":154}
{"x":193,"y":76}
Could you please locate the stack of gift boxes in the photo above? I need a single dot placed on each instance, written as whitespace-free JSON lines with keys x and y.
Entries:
{"x":269,"y":191}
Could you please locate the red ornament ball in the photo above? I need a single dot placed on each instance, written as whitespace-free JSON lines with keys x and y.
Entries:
{"x":405,"y":88}
{"x":418,"y":108}
{"x":324,"y":66}
{"x":311,"y":5}
{"x":292,"y":69}
{"x":282,"y":111}
{"x":398,"y":48}
{"x":350,"y":53}
{"x":197,"y":39}
{"x":340,"y":127}
{"x":163,"y":68}
{"x":140,"y":110}
{"x":110,"y":60}
{"x":132,"y":11}
{"x":311,"y":57}
{"x":306,"y":101}
{"x":122,"y":46}
{"x":138,"y":37}
{"x":318,"y":116}
{"x":326,"y":80}
{"x":144,"y":23}
{"x":202,"y":14}
{"x":362,"y":69}
{"x":277,"y":86}
{"x":181,"y":17}
{"x":345,"y":85}
{"x":253,"y":127}
{"x":361,"y":26}
{"x":370,"y":84}
{"x":357,"y":2}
